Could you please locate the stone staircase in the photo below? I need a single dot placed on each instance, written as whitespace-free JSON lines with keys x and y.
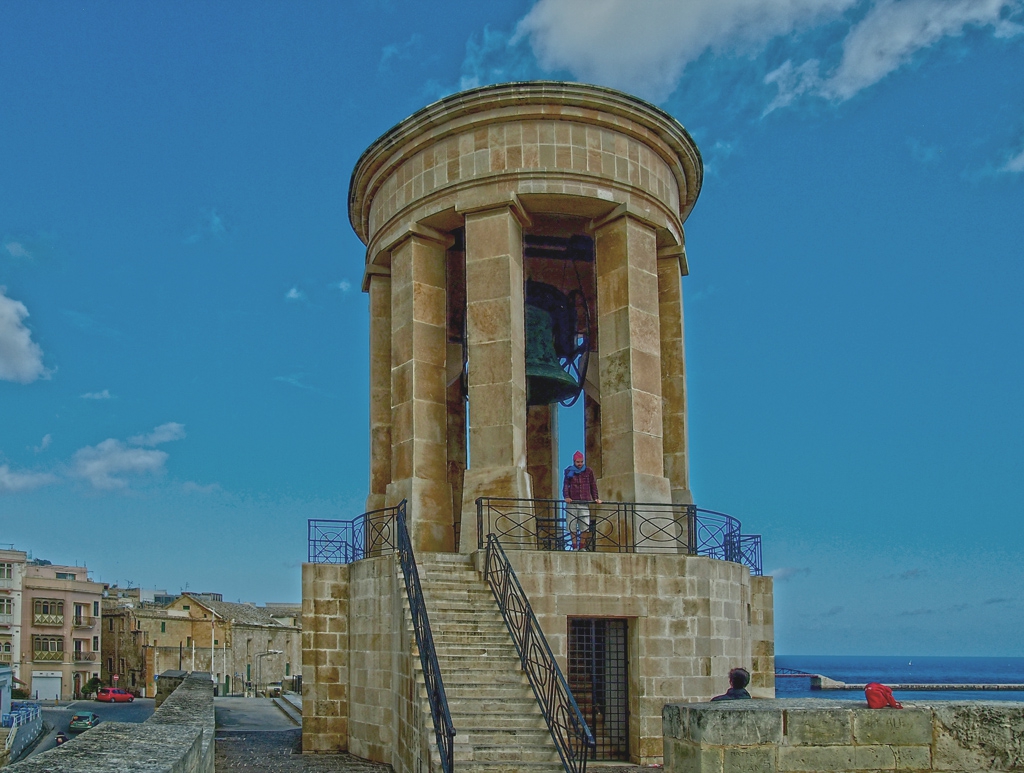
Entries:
{"x":499,"y":726}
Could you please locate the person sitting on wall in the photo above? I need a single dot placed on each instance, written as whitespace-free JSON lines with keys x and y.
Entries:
{"x":739,"y":678}
{"x":579,"y":488}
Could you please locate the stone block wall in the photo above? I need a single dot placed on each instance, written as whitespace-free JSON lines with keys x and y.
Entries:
{"x":843,"y":737}
{"x":325,"y":688}
{"x":688,"y":623}
{"x":361,"y":682}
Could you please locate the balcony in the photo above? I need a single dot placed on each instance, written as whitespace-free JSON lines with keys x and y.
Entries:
{"x":6,"y":619}
{"x":83,"y":622}
{"x":84,"y":657}
{"x":48,"y":656}
{"x":43,"y":619}
{"x":6,"y":657}
{"x":6,"y":582}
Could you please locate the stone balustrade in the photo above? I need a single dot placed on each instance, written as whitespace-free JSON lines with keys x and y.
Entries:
{"x":178,"y":738}
{"x":772,"y":736}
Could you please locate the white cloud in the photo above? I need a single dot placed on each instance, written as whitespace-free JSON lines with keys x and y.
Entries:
{"x":17,"y":250}
{"x":493,"y":57}
{"x":104,"y":464}
{"x":104,"y":395}
{"x":888,"y":37}
{"x":394,"y":52}
{"x":1015,"y":165}
{"x":295,"y":294}
{"x":344,"y":285}
{"x":165,"y":433}
{"x":610,"y":43}
{"x":43,"y":444}
{"x":14,"y":482}
{"x":191,"y":487}
{"x":21,"y":359}
{"x":789,"y":572}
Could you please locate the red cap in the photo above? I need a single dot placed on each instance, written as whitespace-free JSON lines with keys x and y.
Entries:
{"x":578,"y":456}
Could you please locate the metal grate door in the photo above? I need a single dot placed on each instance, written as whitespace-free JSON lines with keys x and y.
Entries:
{"x":599,"y":680}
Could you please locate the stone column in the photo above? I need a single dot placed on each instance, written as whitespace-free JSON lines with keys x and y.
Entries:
{"x":542,"y":451}
{"x":419,"y":469}
{"x":379,"y":286}
{"x":632,"y":458}
{"x":671,"y":262}
{"x":496,"y":333}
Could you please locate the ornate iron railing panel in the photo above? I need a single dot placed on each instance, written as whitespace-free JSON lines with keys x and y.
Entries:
{"x":618,"y":527}
{"x":342,"y":542}
{"x":443,"y":727}
{"x":569,"y":730}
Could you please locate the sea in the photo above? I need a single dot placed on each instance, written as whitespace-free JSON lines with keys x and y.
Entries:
{"x":902,"y":670}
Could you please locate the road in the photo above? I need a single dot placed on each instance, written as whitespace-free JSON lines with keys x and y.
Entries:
{"x":56,"y":718}
{"x":250,"y":714}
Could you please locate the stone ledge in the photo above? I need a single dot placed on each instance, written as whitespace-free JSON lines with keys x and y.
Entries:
{"x":178,"y":738}
{"x":843,"y":736}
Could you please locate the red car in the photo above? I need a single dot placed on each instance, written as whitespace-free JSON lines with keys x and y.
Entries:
{"x":114,"y":695}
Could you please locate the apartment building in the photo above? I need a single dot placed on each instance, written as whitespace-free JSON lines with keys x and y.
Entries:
{"x":12,"y":572}
{"x":60,"y":636}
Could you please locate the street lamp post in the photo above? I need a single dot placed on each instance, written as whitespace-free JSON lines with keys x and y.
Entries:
{"x":259,"y":666}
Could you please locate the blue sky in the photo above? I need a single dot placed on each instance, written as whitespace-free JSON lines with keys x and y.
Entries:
{"x":183,"y":358}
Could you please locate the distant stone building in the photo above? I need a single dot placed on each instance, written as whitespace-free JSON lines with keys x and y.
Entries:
{"x":49,"y":625}
{"x":197,"y":632}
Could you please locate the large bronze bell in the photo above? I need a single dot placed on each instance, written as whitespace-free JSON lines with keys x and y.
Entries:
{"x":546,"y":379}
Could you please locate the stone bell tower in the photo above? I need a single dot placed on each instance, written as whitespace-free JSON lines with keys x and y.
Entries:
{"x":448,"y":203}
{"x":524,"y":248}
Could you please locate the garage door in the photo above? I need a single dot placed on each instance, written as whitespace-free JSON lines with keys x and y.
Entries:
{"x":46,"y":687}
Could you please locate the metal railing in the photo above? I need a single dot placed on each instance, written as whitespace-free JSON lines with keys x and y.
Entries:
{"x":83,"y":622}
{"x":342,"y":542}
{"x":443,"y":727}
{"x":618,"y":527}
{"x":84,"y":657}
{"x":568,"y":728}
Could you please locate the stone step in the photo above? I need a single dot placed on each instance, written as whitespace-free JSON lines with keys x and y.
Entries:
{"x":505,"y":718}
{"x":505,"y":752}
{"x":492,"y":736}
{"x":463,"y":627}
{"x":480,"y":766}
{"x":462,"y":652}
{"x":500,"y":728}
{"x":481,"y":676}
{"x":482,"y":699}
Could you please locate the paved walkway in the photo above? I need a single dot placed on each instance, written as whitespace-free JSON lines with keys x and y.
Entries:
{"x":281,"y":750}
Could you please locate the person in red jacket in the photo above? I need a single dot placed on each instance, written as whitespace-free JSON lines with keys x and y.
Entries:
{"x":579,"y":489}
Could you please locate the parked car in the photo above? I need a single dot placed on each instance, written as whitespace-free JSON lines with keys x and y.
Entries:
{"x":83,"y":720}
{"x":114,"y":695}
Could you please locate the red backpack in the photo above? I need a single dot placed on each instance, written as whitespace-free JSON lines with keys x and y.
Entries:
{"x":879,"y":696}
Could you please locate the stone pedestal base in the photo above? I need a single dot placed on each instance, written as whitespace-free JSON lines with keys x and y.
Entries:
{"x":512,"y":482}
{"x":428,"y":510}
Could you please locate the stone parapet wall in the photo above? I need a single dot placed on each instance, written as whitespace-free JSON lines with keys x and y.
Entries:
{"x":843,"y":737}
{"x":178,"y":738}
{"x":688,"y":623}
